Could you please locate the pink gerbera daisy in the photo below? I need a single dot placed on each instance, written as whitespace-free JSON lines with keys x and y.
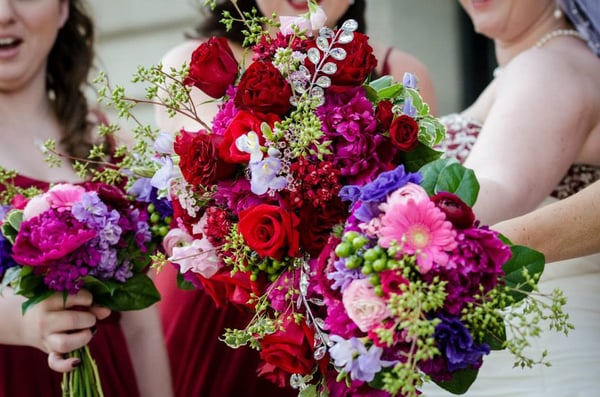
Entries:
{"x":420,"y":228}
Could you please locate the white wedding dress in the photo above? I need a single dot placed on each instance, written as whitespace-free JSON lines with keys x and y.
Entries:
{"x":575,"y":359}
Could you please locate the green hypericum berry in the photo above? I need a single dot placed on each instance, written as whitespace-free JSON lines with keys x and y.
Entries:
{"x":378,"y":290}
{"x":151,"y":208}
{"x":359,"y":242}
{"x":371,"y":255}
{"x":374,"y":279}
{"x":366,"y":269}
{"x":155,"y":217}
{"x":380,"y":264}
{"x":343,"y":250}
{"x":353,"y":262}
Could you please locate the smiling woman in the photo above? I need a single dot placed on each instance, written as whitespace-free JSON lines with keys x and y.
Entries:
{"x":46,"y":52}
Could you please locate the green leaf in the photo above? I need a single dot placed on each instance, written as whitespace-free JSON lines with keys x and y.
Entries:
{"x":461,"y":381}
{"x":310,"y":391}
{"x":183,"y":283}
{"x":11,"y":275}
{"x":11,"y":225}
{"x":37,"y":298}
{"x":522,"y":258}
{"x":447,"y":175}
{"x":418,"y":157}
{"x":99,"y":287}
{"x":138,"y":292}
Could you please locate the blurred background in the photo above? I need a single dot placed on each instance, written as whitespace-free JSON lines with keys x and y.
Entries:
{"x":139,"y":32}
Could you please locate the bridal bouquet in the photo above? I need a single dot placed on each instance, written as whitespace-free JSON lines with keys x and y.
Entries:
{"x":416,"y":289}
{"x":281,"y":206}
{"x":71,"y":237}
{"x":255,"y":193}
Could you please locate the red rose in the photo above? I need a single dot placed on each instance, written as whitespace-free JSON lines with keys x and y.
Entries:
{"x":404,"y":133}
{"x":457,"y":212}
{"x":356,"y":67}
{"x":224,"y":288}
{"x":317,"y":224}
{"x":290,"y":348}
{"x":270,"y":230}
{"x":213,"y":67}
{"x":197,"y":157}
{"x":384,"y":115}
{"x":273,"y":374}
{"x":241,"y":124}
{"x":263,"y":89}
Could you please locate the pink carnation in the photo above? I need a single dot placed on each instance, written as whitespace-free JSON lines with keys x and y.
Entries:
{"x":364,"y":307}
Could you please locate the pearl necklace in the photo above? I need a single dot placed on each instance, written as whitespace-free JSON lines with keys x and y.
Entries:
{"x":557,"y":33}
{"x":546,"y":38}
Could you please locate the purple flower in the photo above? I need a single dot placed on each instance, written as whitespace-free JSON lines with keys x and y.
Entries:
{"x":408,"y":108}
{"x":282,"y":291}
{"x":350,"y":193}
{"x":409,"y":80}
{"x":386,"y":183}
{"x":141,"y":189}
{"x":49,"y":236}
{"x":227,"y":112}
{"x":342,"y":276}
{"x":348,"y":121}
{"x":374,"y":193}
{"x":353,"y":357}
{"x":456,"y":344}
{"x":476,"y":262}
{"x":337,"y":320}
{"x":6,"y":260}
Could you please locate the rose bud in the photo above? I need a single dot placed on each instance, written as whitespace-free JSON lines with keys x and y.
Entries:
{"x":404,"y":133}
{"x":457,"y":212}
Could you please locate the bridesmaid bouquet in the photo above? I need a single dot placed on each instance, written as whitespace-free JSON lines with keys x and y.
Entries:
{"x":71,"y":237}
{"x":415,"y":289}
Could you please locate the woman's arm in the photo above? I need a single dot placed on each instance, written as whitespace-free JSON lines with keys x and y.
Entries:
{"x":533,"y":131}
{"x":143,"y":332}
{"x":562,"y":230}
{"x":51,"y":325}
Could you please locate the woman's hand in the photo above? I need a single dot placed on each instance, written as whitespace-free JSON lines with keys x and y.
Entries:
{"x":57,"y":327}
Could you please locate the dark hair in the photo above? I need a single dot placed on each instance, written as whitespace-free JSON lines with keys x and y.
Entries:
{"x":69,"y":64}
{"x":211,"y":25}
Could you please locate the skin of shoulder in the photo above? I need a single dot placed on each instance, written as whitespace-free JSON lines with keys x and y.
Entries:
{"x":176,"y":58}
{"x":541,"y":115}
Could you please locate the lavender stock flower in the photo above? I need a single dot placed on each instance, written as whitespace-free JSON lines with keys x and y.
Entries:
{"x":355,"y":359}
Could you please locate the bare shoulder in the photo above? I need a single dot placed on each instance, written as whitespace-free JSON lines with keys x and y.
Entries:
{"x":179,"y":55}
{"x":571,"y":73}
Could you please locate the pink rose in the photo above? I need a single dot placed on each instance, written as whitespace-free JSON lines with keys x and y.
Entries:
{"x":410,"y":191}
{"x":175,"y":238}
{"x":363,"y":306}
{"x":199,"y":257}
